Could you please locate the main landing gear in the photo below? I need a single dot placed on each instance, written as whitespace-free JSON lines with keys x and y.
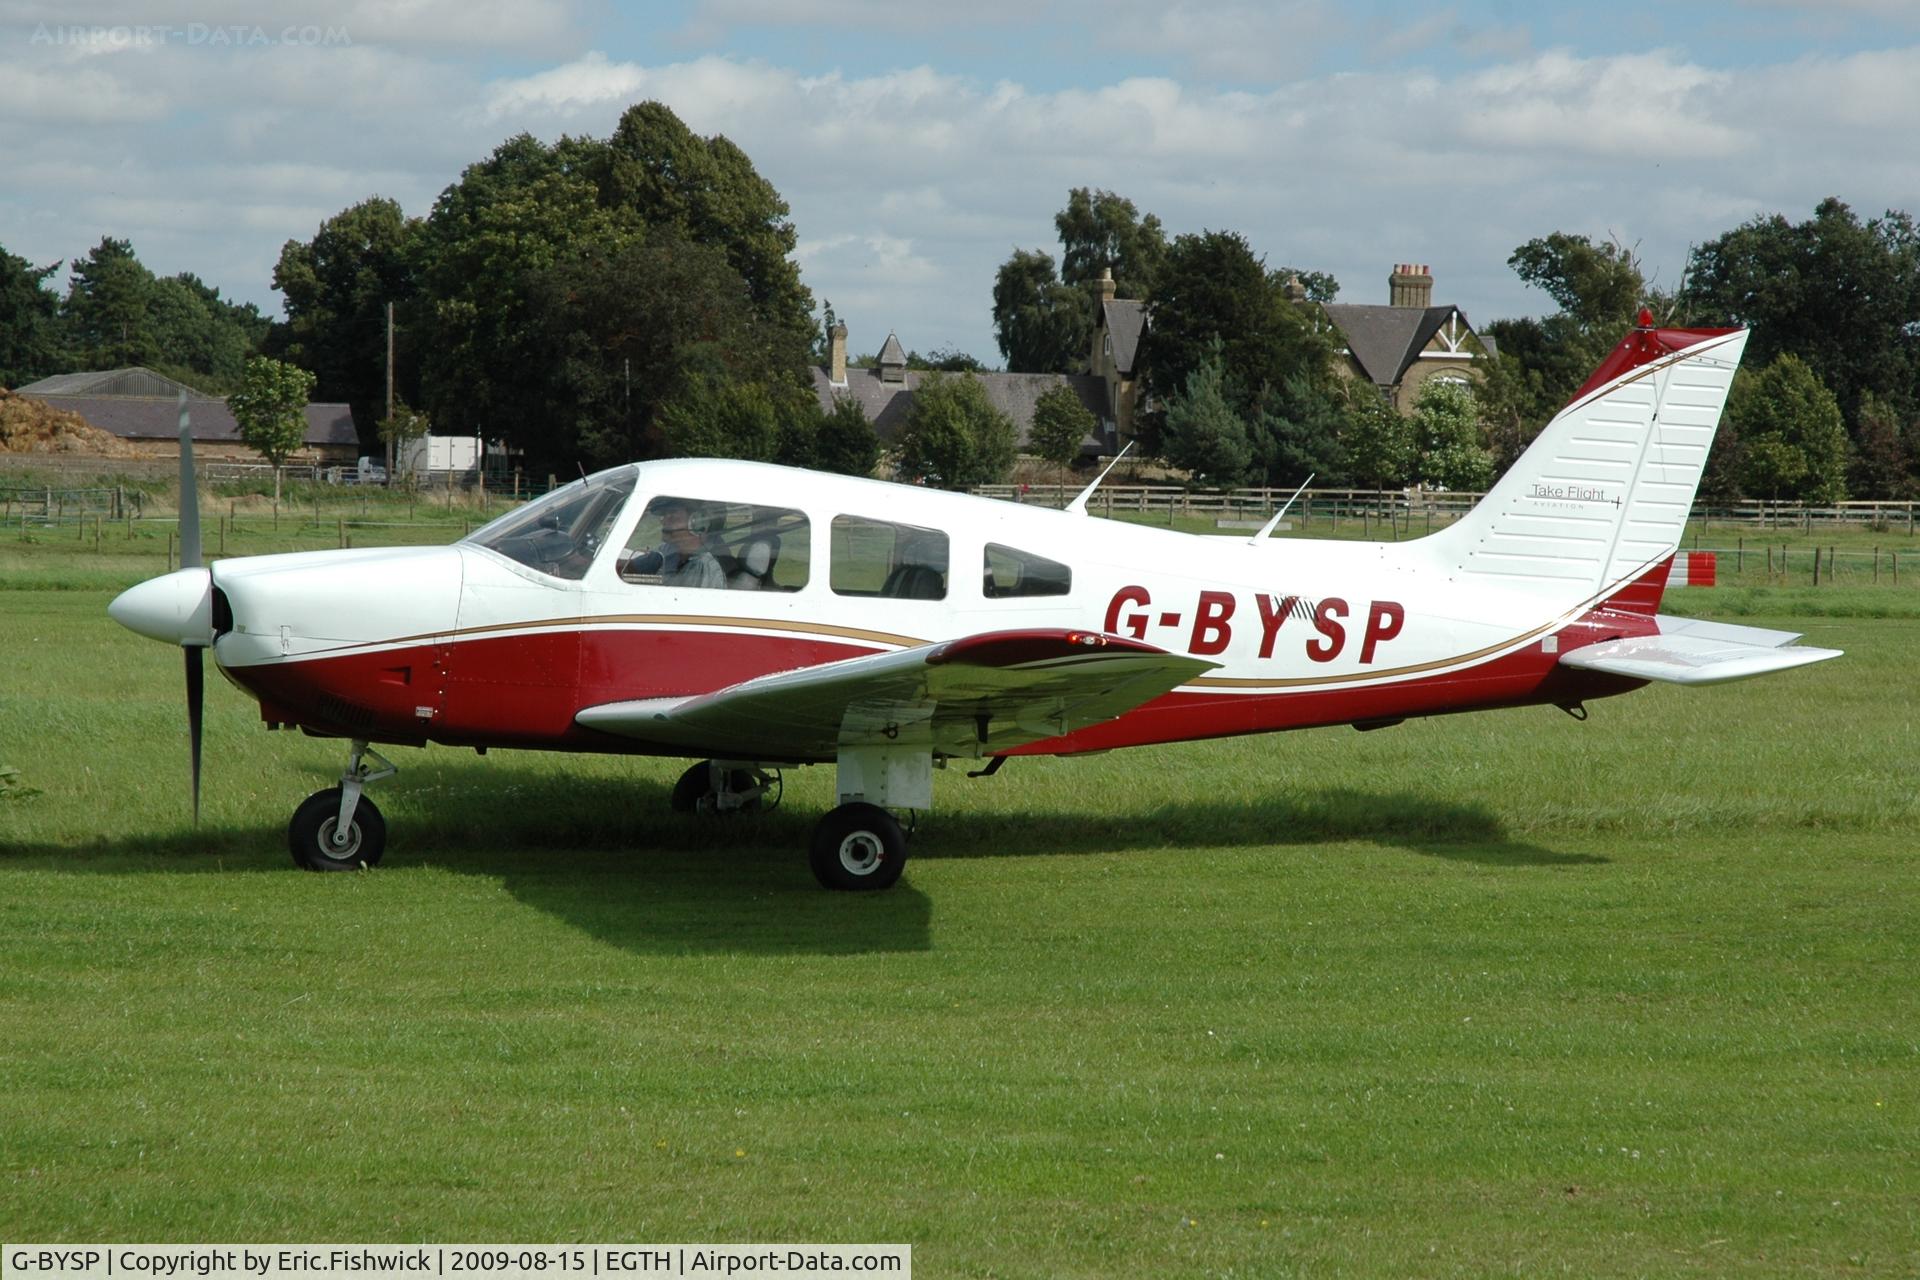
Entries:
{"x":339,"y":829}
{"x":726,"y":786}
{"x":859,"y":846}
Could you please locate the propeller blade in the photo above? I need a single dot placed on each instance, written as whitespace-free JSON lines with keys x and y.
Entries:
{"x":189,"y":495}
{"x":196,"y":693}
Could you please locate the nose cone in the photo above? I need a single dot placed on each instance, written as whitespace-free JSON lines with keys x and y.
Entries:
{"x":176,"y":607}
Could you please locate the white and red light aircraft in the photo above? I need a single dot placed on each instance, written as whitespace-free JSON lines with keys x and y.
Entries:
{"x":763,"y":617}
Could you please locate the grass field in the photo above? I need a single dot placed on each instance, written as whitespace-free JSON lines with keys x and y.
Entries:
{"x":1496,"y":994}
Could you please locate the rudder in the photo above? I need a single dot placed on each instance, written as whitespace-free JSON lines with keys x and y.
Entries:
{"x":1603,"y":493}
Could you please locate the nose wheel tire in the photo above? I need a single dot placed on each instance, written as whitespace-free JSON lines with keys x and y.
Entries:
{"x":318,"y":844}
{"x":858,"y":847}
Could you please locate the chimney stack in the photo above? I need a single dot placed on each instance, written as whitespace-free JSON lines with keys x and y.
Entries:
{"x":837,"y":355}
{"x":1107,"y":287}
{"x":1410,"y":285}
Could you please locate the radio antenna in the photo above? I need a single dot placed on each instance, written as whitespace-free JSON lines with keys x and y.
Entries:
{"x":1267,"y":528}
{"x":1079,"y":505}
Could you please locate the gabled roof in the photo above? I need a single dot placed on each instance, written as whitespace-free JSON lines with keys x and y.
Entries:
{"x":1385,"y":341}
{"x":139,"y":404}
{"x":148,"y":418}
{"x":887,"y":403}
{"x":134,"y":381}
{"x":890,"y":352}
{"x":1125,"y":319}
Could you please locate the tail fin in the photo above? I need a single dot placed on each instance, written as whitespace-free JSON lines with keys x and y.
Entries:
{"x":1603,"y":494}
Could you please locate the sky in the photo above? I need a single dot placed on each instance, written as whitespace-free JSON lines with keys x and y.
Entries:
{"x":918,"y":145}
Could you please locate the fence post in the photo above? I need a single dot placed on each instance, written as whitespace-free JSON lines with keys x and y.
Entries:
{"x":1816,"y":566}
{"x":1876,"y":564}
{"x":343,"y":532}
{"x":1740,"y":554}
{"x":169,"y":551}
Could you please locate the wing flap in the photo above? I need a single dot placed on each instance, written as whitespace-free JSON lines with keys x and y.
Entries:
{"x":973,"y":696}
{"x":1707,"y":653}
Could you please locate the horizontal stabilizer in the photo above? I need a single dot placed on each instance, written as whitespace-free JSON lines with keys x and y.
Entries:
{"x":1692,"y":651}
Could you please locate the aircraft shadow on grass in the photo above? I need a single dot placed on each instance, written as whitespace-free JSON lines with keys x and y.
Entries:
{"x":622,"y":868}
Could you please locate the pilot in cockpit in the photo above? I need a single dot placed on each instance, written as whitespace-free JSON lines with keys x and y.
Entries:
{"x":686,"y":562}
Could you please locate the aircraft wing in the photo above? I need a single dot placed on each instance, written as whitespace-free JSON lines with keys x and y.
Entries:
{"x":1691,"y":651}
{"x":974,"y":696}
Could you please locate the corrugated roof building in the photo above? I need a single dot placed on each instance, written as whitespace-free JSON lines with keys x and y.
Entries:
{"x":143,"y":408}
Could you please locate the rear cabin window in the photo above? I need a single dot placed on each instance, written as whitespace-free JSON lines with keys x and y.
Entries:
{"x":717,"y":545}
{"x":1011,"y":573}
{"x":879,"y":558}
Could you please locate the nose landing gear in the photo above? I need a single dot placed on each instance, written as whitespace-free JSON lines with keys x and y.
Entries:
{"x":339,"y":829}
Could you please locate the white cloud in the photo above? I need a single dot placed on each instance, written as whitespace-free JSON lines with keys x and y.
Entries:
{"x":57,"y":94}
{"x":909,"y":186}
{"x":1627,"y":106}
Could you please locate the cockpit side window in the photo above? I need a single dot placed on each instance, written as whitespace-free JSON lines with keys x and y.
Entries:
{"x":715,"y":545}
{"x":1011,"y":573}
{"x":561,"y":533}
{"x":880,"y":558}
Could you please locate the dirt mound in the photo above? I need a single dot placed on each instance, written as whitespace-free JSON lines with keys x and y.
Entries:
{"x":34,"y":426}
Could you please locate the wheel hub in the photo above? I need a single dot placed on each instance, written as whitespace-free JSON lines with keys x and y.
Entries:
{"x":861,"y":852}
{"x":338,"y":844}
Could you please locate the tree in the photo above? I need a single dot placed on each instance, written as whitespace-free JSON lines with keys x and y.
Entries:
{"x":337,"y":287}
{"x":1882,"y":465}
{"x":1041,"y":324}
{"x":1446,"y":429}
{"x":201,"y":338}
{"x":1203,"y":433}
{"x":1060,"y":423}
{"x":953,"y":436}
{"x":1600,"y":288}
{"x":1841,"y":294}
{"x":1380,"y":445}
{"x":1101,"y":231}
{"x":1790,"y":431}
{"x":1296,"y":430}
{"x":116,"y":313}
{"x":270,"y":410}
{"x":613,"y":340}
{"x":400,"y":429}
{"x":495,"y":238}
{"x":845,"y":442}
{"x":1213,"y":290}
{"x":522,"y":332}
{"x":29,"y":321}
{"x":108,"y":309}
{"x":1315,"y":286}
{"x":707,"y":191}
{"x":945,"y":360}
{"x":1598,"y":285}
{"x":728,"y":420}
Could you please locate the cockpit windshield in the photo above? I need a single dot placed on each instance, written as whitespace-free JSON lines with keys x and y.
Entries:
{"x":561,"y":533}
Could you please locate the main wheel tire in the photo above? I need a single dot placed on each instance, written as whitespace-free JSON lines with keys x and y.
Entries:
{"x":858,"y":847}
{"x":310,"y":834}
{"x":696,"y":784}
